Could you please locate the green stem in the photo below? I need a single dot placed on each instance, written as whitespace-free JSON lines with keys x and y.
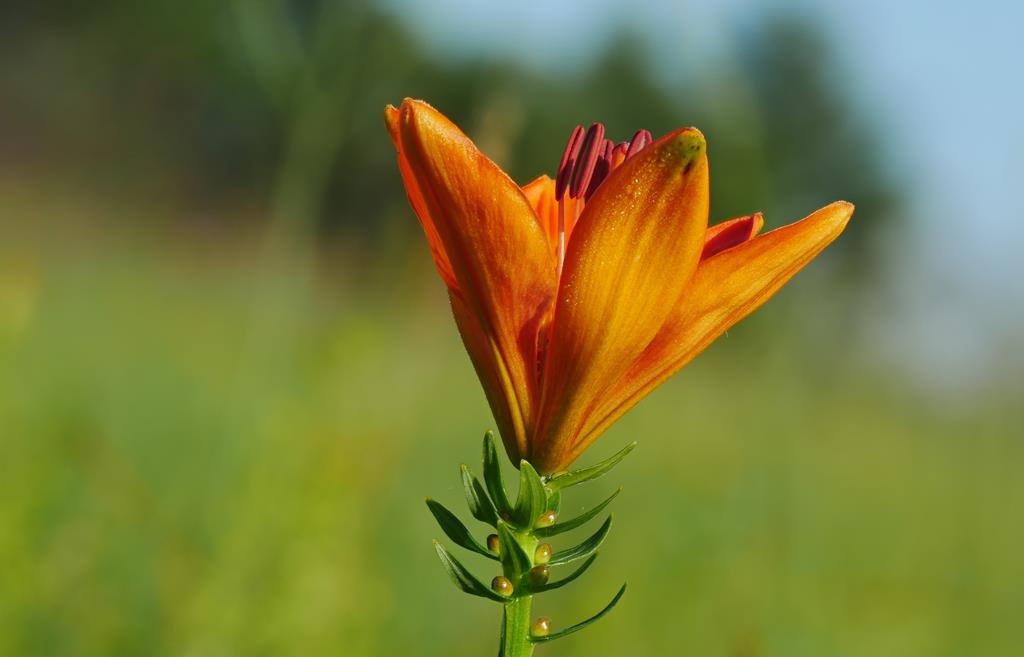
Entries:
{"x":517,"y":545}
{"x":516,"y":630}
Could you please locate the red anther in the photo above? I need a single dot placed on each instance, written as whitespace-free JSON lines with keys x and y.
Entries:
{"x":640,"y":139}
{"x":589,"y":151}
{"x":601,"y":169}
{"x":568,"y":162}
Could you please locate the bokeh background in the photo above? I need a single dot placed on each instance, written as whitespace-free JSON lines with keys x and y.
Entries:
{"x":228,"y":376}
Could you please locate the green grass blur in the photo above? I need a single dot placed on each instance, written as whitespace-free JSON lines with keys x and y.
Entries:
{"x":209,"y":452}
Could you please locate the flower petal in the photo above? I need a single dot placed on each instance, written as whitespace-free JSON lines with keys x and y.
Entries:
{"x":634,"y":249}
{"x":488,"y":370}
{"x":540,"y":192}
{"x":412,"y":192}
{"x":728,"y":234}
{"x":498,"y":253}
{"x":726,"y":288}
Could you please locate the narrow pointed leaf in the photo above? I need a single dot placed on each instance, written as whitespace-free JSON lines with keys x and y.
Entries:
{"x":565,"y":580}
{"x":583,"y":518}
{"x":455,"y":530}
{"x":492,"y":476}
{"x":512,"y":553}
{"x":464,"y":579}
{"x":584,"y":549}
{"x":579,"y":626}
{"x":574,"y":477}
{"x":476,"y":497}
{"x":532,"y":498}
{"x":554,"y":501}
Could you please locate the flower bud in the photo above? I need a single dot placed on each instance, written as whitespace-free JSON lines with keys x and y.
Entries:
{"x":547,"y":519}
{"x":541,"y":627}
{"x":493,"y":544}
{"x":542,"y":554}
{"x":539,"y":575}
{"x":502,"y":585}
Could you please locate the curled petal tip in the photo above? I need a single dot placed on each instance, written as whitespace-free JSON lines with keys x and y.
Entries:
{"x":728,"y":234}
{"x":684,"y":146}
{"x":391,"y":121}
{"x":409,"y":106}
{"x":413,"y":105}
{"x":841,"y":212}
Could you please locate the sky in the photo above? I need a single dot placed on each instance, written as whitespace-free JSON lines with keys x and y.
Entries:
{"x":941,"y":79}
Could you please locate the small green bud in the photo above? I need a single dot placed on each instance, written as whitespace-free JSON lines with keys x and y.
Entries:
{"x":539,"y":575}
{"x":547,"y":519}
{"x":542,"y":554}
{"x":541,"y":627}
{"x":493,"y":544}
{"x":502,"y":585}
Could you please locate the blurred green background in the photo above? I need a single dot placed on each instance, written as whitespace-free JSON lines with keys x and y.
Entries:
{"x":228,"y":376}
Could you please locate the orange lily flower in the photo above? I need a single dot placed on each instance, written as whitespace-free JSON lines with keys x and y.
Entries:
{"x":575,"y":297}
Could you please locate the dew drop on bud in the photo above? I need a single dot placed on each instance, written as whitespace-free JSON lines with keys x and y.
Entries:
{"x":493,"y":544}
{"x":542,"y":554}
{"x":547,"y":519}
{"x":539,"y":575}
{"x":541,"y":627}
{"x":502,"y":585}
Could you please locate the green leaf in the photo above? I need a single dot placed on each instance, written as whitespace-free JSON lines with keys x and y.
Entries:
{"x":492,"y":476}
{"x":456,"y":531}
{"x":587,"y":516}
{"x":464,"y":579}
{"x":554,"y":500}
{"x":562,"y":582}
{"x":532,"y":498}
{"x":579,"y":626}
{"x":479,"y":504}
{"x":572,"y":478}
{"x":584,"y":549}
{"x":513,"y":554}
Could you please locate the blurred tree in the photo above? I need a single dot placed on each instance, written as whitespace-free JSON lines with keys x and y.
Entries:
{"x":817,"y":146}
{"x":279,"y":102}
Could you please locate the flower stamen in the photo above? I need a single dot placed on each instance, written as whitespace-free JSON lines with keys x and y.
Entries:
{"x":640,"y":139}
{"x":565,"y":169}
{"x":601,"y":169}
{"x":568,"y":161}
{"x":586,"y":162}
{"x":593,"y":143}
